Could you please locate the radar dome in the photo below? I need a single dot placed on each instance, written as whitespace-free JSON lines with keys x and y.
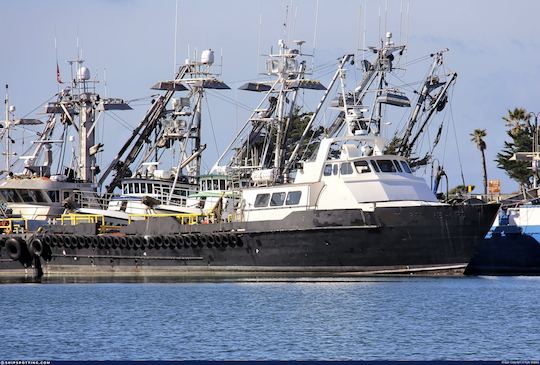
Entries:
{"x":83,"y":74}
{"x":207,"y":57}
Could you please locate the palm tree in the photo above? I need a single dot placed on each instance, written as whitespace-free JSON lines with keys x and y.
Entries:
{"x":517,"y":119}
{"x":477,"y":137}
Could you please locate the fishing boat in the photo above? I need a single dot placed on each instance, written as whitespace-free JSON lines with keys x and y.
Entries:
{"x":34,"y":190}
{"x":332,"y":201}
{"x":171,"y":124}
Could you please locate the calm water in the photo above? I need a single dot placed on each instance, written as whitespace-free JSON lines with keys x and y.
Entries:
{"x":403,"y":318}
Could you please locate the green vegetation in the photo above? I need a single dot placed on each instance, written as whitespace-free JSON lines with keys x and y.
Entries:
{"x":478,"y":138}
{"x":520,"y":132}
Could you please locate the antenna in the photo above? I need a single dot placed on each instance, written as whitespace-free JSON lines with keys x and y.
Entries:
{"x":315,"y":35}
{"x":175,"y":36}
{"x":386,"y":16}
{"x":259,"y":43}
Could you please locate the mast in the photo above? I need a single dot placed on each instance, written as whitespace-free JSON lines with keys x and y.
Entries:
{"x":7,"y":128}
{"x":262,"y":149}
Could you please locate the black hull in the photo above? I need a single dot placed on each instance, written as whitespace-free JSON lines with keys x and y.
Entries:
{"x":512,"y":254}
{"x":346,"y":242}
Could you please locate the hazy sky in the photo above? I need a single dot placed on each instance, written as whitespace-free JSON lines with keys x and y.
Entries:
{"x":494,"y":48}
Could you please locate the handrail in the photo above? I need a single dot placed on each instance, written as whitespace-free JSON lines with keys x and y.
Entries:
{"x":185,"y":218}
{"x":73,"y":218}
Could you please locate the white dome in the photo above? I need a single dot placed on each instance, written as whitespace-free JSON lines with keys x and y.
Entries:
{"x":83,"y":74}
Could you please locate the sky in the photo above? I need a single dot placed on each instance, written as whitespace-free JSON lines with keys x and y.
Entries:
{"x":130,"y":44}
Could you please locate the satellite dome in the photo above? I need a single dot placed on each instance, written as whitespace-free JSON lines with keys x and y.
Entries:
{"x":83,"y":74}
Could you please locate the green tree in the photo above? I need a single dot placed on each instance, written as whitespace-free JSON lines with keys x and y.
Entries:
{"x":478,"y":138}
{"x":521,"y":136}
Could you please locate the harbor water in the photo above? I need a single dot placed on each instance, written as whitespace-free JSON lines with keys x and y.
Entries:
{"x":366,"y":319}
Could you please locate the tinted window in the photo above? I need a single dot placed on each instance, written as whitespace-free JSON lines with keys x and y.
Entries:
{"x":149,"y":188}
{"x":362,"y":167}
{"x":293,"y":197}
{"x":37,"y":195}
{"x":143,"y":188}
{"x":277,"y":199}
{"x":327,"y":170}
{"x":25,"y":195}
{"x":398,"y":167}
{"x":262,"y":200}
{"x":203,"y":185}
{"x":406,"y":167}
{"x":375,"y":166}
{"x":345,"y":169}
{"x":386,"y":166}
{"x":137,"y":189}
{"x":53,"y":195}
{"x":334,"y":169}
{"x":222,"y":184}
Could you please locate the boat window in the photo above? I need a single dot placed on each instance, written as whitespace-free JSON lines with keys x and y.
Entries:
{"x":293,"y":197}
{"x":328,"y":170}
{"x":386,"y":166}
{"x":203,"y":185}
{"x":11,"y":196}
{"x":221,"y":184}
{"x":406,"y":167}
{"x":54,"y":195}
{"x":5,"y":195}
{"x":362,"y":167}
{"x":215,"y":184}
{"x":149,"y":189}
{"x":130,"y":188}
{"x":143,"y":188}
{"x":345,"y":169}
{"x":125,"y":189}
{"x":277,"y":199}
{"x":261,"y":200}
{"x":66,"y":194}
{"x":137,"y":188}
{"x":25,"y":195}
{"x":335,"y":169}
{"x":375,"y":166}
{"x":398,"y":167}
{"x":37,"y":195}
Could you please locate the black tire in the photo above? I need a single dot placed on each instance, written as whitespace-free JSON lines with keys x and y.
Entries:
{"x":151,"y":241}
{"x":80,"y":241}
{"x":179,"y":241}
{"x":15,"y":248}
{"x":138,"y":242}
{"x":210,"y":240}
{"x":35,"y":247}
{"x":218,"y":239}
{"x":233,"y":240}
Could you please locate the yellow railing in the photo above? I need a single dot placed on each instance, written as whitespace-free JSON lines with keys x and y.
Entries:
{"x":13,"y":225}
{"x":182,"y":218}
{"x":73,"y":219}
